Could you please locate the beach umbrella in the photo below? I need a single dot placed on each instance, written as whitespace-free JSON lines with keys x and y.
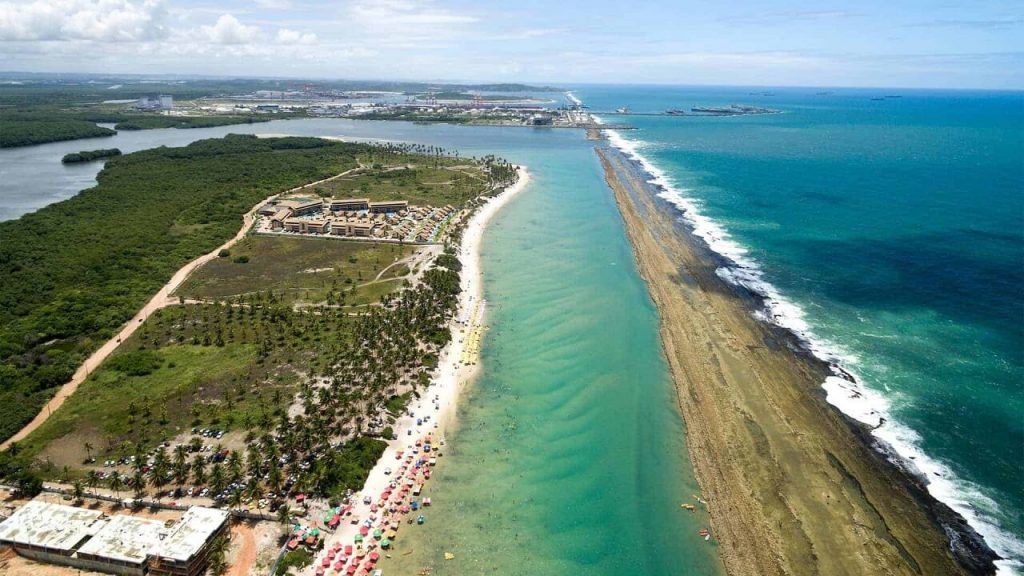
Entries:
{"x":358,"y":538}
{"x":363,"y":530}
{"x":378,"y":533}
{"x":374,"y":556}
{"x":385,"y":543}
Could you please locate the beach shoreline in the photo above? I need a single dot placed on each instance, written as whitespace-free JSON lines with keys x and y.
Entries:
{"x":779,"y":465}
{"x":439,"y":401}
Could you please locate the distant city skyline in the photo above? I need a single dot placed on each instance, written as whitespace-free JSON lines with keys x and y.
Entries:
{"x":864,"y":44}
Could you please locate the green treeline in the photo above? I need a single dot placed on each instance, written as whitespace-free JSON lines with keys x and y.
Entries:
{"x":89,"y":155}
{"x":28,"y":132}
{"x":39,"y":125}
{"x":153,"y":122}
{"x":76,"y":270}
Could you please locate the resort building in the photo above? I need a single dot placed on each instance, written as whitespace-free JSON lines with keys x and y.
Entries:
{"x":359,"y":228}
{"x":120,"y":544}
{"x":318,"y":226}
{"x":388,"y":207}
{"x":294,"y":225}
{"x":310,"y":207}
{"x":268,"y":209}
{"x":350,"y":204}
{"x":277,"y":220}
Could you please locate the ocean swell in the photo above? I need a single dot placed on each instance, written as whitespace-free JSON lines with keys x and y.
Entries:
{"x":843,"y":388}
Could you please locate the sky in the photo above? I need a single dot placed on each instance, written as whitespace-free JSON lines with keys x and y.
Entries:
{"x":903,"y":43}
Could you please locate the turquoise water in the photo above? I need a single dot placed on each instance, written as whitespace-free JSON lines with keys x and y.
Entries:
{"x":570,"y":453}
{"x":897,"y":227}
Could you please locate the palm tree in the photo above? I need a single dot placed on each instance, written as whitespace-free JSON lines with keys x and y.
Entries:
{"x":199,"y":469}
{"x":284,"y":515}
{"x":235,"y":499}
{"x":217,"y":480}
{"x":79,"y":490}
{"x":217,"y":562}
{"x":88,"y":452}
{"x":116,"y":483}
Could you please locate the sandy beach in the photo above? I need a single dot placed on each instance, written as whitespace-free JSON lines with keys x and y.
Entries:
{"x":792,"y":485}
{"x":438,"y":402}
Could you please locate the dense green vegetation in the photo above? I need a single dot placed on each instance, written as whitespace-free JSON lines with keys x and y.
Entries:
{"x":151,"y":122}
{"x":90,"y":155}
{"x":298,"y":558}
{"x":30,"y":125}
{"x":28,"y":132}
{"x":76,"y":270}
{"x":347,"y":469}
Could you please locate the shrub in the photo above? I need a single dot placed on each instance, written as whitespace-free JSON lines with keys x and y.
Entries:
{"x":137,"y":363}
{"x":224,"y":253}
{"x":241,"y":260}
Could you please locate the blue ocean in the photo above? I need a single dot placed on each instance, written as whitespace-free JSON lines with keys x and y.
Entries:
{"x":886,"y":227}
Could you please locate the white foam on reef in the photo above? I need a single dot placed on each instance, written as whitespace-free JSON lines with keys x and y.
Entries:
{"x":843,"y":389}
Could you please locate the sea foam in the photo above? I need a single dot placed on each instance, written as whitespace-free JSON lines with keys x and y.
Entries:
{"x":843,"y":388}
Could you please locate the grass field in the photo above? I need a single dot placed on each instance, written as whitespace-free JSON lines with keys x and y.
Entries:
{"x":441,"y":181}
{"x":193,"y":365}
{"x":302,"y":270}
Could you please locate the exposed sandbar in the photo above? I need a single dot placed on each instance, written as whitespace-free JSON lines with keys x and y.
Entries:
{"x":793,"y":486}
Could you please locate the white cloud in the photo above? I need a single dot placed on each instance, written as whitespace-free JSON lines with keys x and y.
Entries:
{"x":286,"y":36}
{"x":274,"y":4}
{"x":228,"y":30}
{"x":103,"y":20}
{"x":401,"y":21}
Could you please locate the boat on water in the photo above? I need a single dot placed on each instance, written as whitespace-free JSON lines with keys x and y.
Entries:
{"x":675,"y":112}
{"x":622,"y":110}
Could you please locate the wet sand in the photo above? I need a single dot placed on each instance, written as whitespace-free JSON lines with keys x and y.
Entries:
{"x":792,"y":485}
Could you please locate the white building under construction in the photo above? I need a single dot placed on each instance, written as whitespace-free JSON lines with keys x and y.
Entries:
{"x":119,"y":544}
